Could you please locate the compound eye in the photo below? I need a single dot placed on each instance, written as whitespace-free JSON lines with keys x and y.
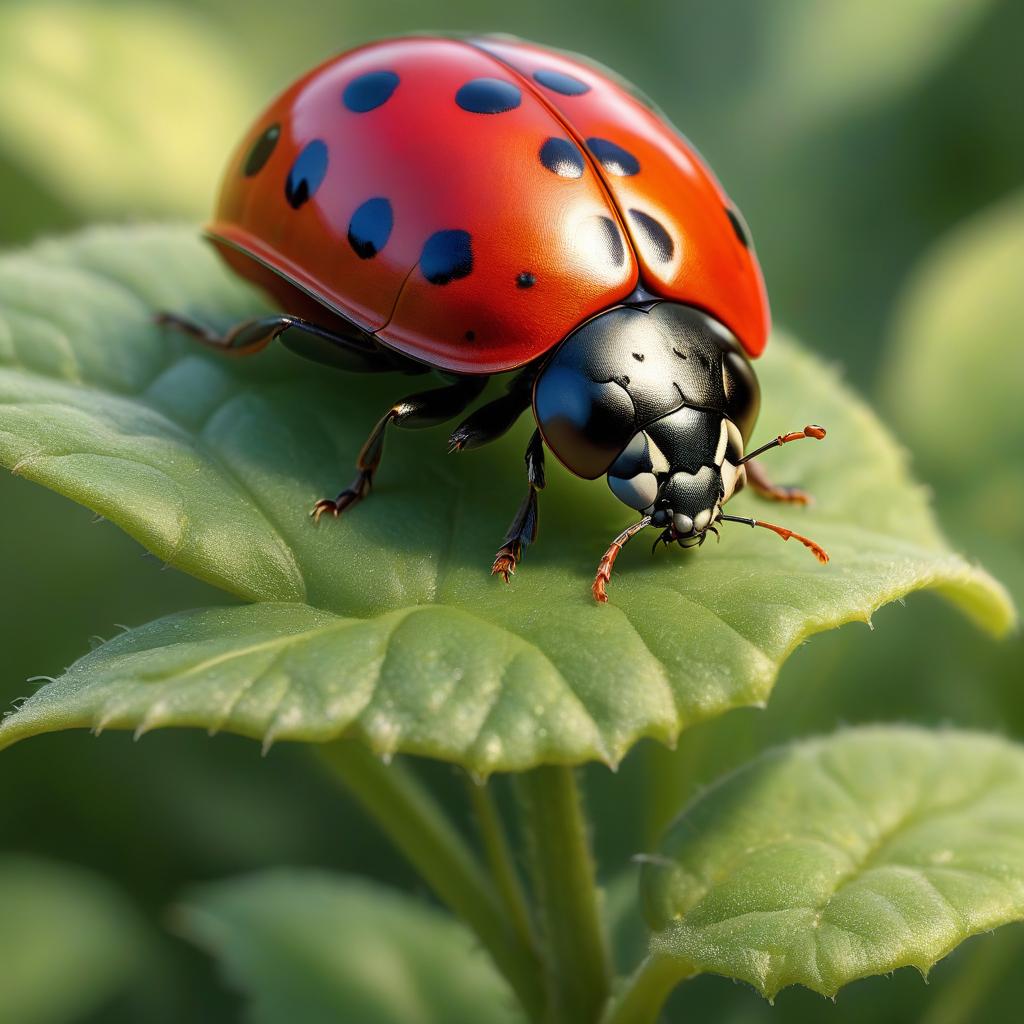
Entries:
{"x":637,"y":491}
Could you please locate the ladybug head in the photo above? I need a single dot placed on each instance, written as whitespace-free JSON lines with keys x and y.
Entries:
{"x":683,"y":499}
{"x":686,"y":503}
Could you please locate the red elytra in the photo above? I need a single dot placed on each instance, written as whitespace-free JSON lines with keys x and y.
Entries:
{"x":548,"y":240}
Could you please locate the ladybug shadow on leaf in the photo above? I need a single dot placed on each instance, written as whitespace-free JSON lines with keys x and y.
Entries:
{"x":292,"y":434}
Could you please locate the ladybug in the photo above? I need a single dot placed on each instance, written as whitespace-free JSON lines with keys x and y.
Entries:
{"x":478,"y":206}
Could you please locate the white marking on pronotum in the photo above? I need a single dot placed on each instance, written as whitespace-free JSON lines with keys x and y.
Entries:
{"x":730,"y":475}
{"x":659,"y":464}
{"x":723,"y":441}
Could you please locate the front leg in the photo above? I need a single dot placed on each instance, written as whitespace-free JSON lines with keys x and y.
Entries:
{"x":523,"y":530}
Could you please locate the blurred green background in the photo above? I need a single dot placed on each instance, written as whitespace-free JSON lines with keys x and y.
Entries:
{"x":876,"y":150}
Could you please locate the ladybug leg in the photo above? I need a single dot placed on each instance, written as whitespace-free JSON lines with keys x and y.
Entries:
{"x":423,"y":409}
{"x":356,"y":351}
{"x":244,"y":338}
{"x":494,"y":419}
{"x":604,"y":568}
{"x":523,"y":529}
{"x":763,"y":486}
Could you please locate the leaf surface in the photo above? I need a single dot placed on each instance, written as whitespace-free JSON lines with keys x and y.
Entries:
{"x":387,"y":621}
{"x":834,"y":859}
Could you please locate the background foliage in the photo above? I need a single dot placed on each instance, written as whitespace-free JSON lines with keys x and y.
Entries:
{"x":875,"y":150}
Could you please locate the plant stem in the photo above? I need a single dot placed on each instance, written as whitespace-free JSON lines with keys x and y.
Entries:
{"x":644,"y":994}
{"x":563,"y":873}
{"x":501,"y":860}
{"x":413,"y":820}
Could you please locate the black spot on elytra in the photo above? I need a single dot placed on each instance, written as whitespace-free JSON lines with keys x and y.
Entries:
{"x":488,"y":96}
{"x":470,"y":335}
{"x":525,"y":280}
{"x":613,"y":158}
{"x":738,"y":226}
{"x":306,"y":174}
{"x":682,"y":355}
{"x":261,"y":150}
{"x":558,"y":81}
{"x":653,"y":237}
{"x":638,"y":356}
{"x":561,"y":157}
{"x":370,"y":227}
{"x":369,"y":91}
{"x":447,"y":256}
{"x":601,"y":241}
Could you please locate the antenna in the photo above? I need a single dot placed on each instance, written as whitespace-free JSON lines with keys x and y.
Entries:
{"x":811,"y":430}
{"x":816,"y":549}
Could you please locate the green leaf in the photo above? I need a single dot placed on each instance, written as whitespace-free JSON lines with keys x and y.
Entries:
{"x":956,"y":336}
{"x":67,"y":942}
{"x":310,"y":947}
{"x":954,"y":378}
{"x":115,"y":109}
{"x":835,"y":859}
{"x":387,"y":623}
